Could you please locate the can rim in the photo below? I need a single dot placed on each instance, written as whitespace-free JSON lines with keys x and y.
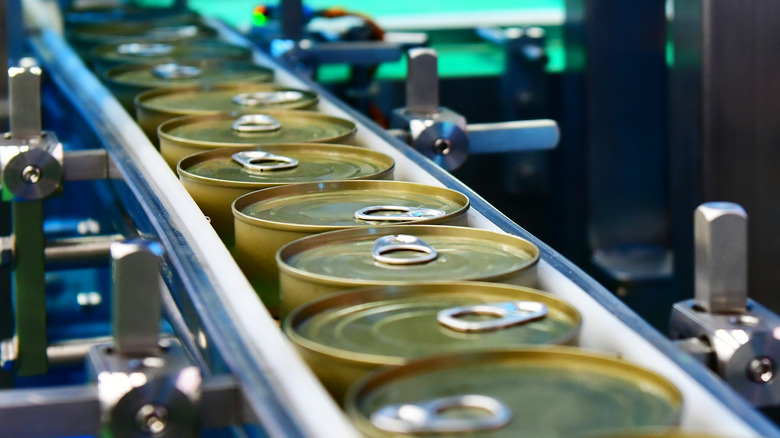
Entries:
{"x":347,"y":298}
{"x":190,"y":160}
{"x":103,"y":52}
{"x":288,"y":190}
{"x":264,"y":74}
{"x":142,"y":103}
{"x":203,"y":144}
{"x":304,"y":243}
{"x":609,"y":364}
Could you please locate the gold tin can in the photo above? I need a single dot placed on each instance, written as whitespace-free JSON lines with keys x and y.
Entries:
{"x":85,"y":36}
{"x":187,"y":135}
{"x":106,"y":56}
{"x":216,"y":178}
{"x":280,"y":215}
{"x":154,"y":107}
{"x":399,"y":255}
{"x":542,"y":392}
{"x":127,"y":81}
{"x":343,"y":336}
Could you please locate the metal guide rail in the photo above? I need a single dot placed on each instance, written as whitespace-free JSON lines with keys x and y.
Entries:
{"x":235,"y":333}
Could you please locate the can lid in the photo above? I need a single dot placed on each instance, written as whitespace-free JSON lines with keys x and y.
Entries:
{"x":225,"y":98}
{"x":390,"y":325}
{"x":350,"y":203}
{"x":147,"y":51}
{"x":284,"y":164}
{"x":227,"y":130}
{"x":169,"y":28}
{"x":548,"y":392}
{"x":189,"y":73}
{"x":422,"y":254}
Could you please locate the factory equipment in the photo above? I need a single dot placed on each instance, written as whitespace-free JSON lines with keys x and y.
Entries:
{"x":222,"y":361}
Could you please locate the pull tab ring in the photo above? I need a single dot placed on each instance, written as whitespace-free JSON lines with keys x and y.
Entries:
{"x":401,"y":242}
{"x":254,"y":123}
{"x":259,"y":161}
{"x":259,"y":98}
{"x":426,"y":416}
{"x":509,"y":313}
{"x":144,"y":49}
{"x":172,"y":70}
{"x":406,"y":214}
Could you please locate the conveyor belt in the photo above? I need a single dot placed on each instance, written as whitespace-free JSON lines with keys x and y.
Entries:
{"x":240,"y":337}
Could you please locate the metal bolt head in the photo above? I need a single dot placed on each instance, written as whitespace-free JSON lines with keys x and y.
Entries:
{"x":31,"y":174}
{"x":761,"y":370}
{"x":442,"y":146}
{"x":152,"y":418}
{"x":721,"y":257}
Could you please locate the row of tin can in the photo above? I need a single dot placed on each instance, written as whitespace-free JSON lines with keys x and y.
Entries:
{"x":422,"y":323}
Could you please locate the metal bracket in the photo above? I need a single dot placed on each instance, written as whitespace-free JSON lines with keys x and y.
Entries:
{"x":721,"y":327}
{"x":443,"y":135}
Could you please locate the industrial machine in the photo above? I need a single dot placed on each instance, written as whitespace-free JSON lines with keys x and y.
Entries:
{"x":123,"y":313}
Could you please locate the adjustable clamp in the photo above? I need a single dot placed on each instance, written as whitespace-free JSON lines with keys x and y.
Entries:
{"x":735,"y":336}
{"x":443,"y":135}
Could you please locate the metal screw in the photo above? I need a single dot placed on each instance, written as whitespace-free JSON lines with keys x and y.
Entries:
{"x":761,"y":370}
{"x":31,"y":174}
{"x":152,"y":418}
{"x":442,"y":146}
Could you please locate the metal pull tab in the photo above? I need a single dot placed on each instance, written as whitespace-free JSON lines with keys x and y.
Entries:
{"x":401,"y":242}
{"x":176,"y":71}
{"x":404,"y":214}
{"x":509,"y":313}
{"x":267,"y":98}
{"x":144,"y":49}
{"x":426,"y":416}
{"x":252,"y":123}
{"x":259,"y":161}
{"x":187,"y":31}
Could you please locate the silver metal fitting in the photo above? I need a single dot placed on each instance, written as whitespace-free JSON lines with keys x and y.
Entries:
{"x":30,"y":159}
{"x":142,"y":396}
{"x":737,"y":337}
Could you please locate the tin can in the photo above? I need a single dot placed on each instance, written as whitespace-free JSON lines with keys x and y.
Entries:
{"x":280,"y":215}
{"x":106,"y":56}
{"x":154,"y":107}
{"x":406,"y":254}
{"x":187,"y":135}
{"x":86,"y":36}
{"x":127,"y":81}
{"x":550,"y":392}
{"x":216,"y":178}
{"x":343,"y":336}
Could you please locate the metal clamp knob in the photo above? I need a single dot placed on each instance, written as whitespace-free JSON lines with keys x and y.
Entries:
{"x":426,"y":416}
{"x":509,"y":313}
{"x":259,"y":161}
{"x":252,"y":123}
{"x":172,"y":70}
{"x":267,"y":98}
{"x":144,"y":49}
{"x":402,"y":242}
{"x":405,"y":214}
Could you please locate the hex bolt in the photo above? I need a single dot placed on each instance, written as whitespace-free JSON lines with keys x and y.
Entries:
{"x":31,"y":174}
{"x":152,"y":418}
{"x":720,"y":230}
{"x":761,"y":370}
{"x":442,"y":146}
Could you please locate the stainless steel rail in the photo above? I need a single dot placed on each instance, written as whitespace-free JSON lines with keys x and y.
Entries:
{"x":232,"y":327}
